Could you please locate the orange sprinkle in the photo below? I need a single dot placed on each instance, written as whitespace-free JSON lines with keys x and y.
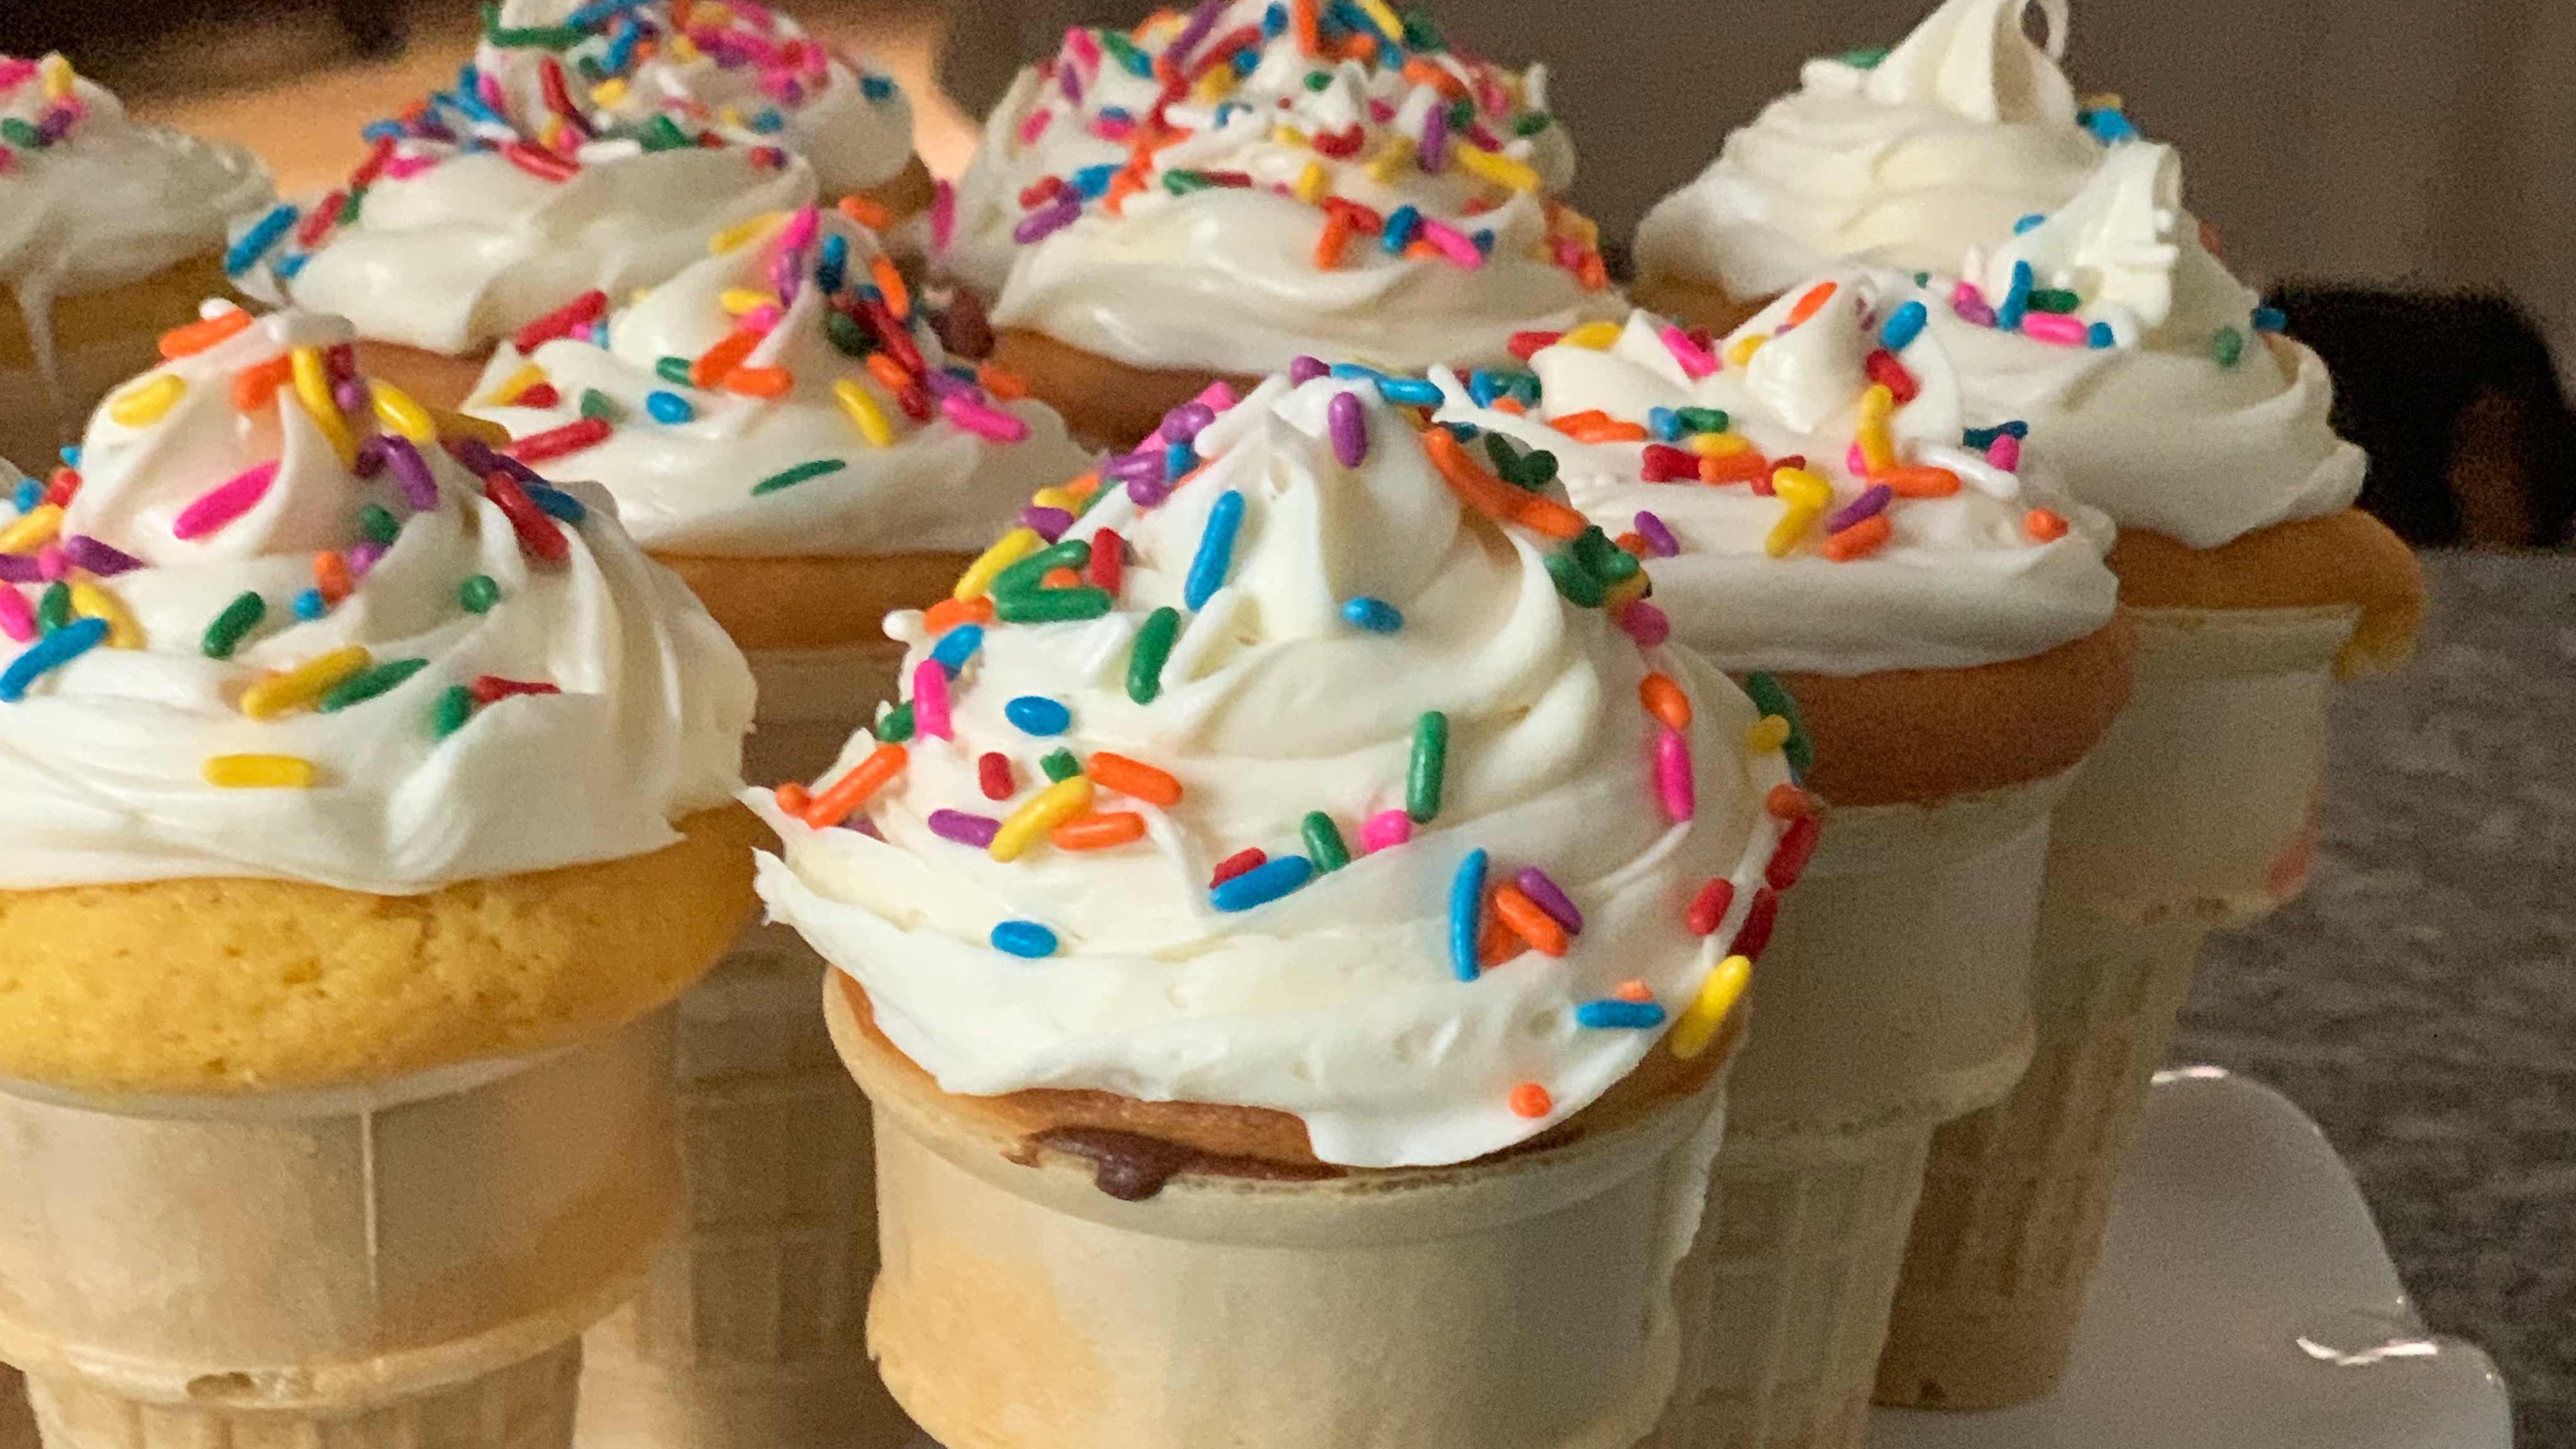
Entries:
{"x":331,"y":576}
{"x":197,"y":336}
{"x":1422,"y":251}
{"x":1495,"y":498}
{"x":1423,"y":73}
{"x":1496,"y":944}
{"x":1634,"y":991}
{"x":1665,"y":701}
{"x":766,"y":382}
{"x":1121,"y":186}
{"x":1723,"y":468}
{"x":714,"y":363}
{"x":1535,"y":926}
{"x":1593,"y":272}
{"x":1812,"y":303}
{"x":1360,"y":47}
{"x":1860,"y":540}
{"x":1059,"y":578}
{"x":1788,"y":802}
{"x":1918,"y":482}
{"x":1005,"y":384}
{"x":2044,"y":524}
{"x":1098,"y":832}
{"x":793,"y":798}
{"x":885,"y":369}
{"x":1133,"y":778}
{"x":1511,"y":405}
{"x":1335,"y":236}
{"x":1529,"y":1099}
{"x":866,"y":212}
{"x":947,"y":614}
{"x":1084,"y":486}
{"x":1633,"y":542}
{"x":1304,"y":21}
{"x":852,"y":790}
{"x":254,"y":388}
{"x":898,"y":297}
{"x":1596,"y":426}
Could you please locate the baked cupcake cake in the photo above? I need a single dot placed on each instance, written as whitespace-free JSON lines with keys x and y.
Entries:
{"x":1219,"y":193}
{"x":585,"y":149}
{"x":369,"y":798}
{"x":1297,"y":884}
{"x":110,"y":234}
{"x":1927,"y":618}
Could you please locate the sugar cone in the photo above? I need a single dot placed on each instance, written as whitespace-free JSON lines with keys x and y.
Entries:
{"x":60,"y":356}
{"x":2196,"y":813}
{"x":1893,"y":998}
{"x":407,"y":1266}
{"x":17,"y":1421}
{"x":1520,"y":1303}
{"x":750,"y":1333}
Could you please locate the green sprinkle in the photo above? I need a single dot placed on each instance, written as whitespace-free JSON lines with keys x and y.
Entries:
{"x":1153,"y":646}
{"x":1506,"y":460}
{"x":2228,"y":347}
{"x":1867,"y":57}
{"x":239,"y":617}
{"x":673,"y":370}
{"x":597,"y":404}
{"x":368,"y":683}
{"x":455,"y":706}
{"x":1182,"y":183}
{"x":1530,"y":123}
{"x":1703,"y":420}
{"x":1324,"y":842}
{"x":1060,"y":766}
{"x":1575,"y":581}
{"x":1125,"y":50}
{"x":1462,"y":113}
{"x":54,"y":608}
{"x":1430,"y":766}
{"x":801,"y":473}
{"x":478,"y":594}
{"x":847,"y":335}
{"x":1603,"y":559}
{"x":1421,"y":32}
{"x":2055,"y":300}
{"x":377,"y":524}
{"x":1024,"y":576}
{"x":1771,"y":697}
{"x":1051,"y":606}
{"x":529,"y":37}
{"x":21,"y":134}
{"x":350,"y":208}
{"x":1316,"y":80}
{"x":896,"y":727}
{"x":663,"y":134}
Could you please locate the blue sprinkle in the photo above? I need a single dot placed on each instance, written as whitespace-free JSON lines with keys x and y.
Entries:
{"x":1093,"y":181}
{"x":1903,"y":326}
{"x":2030,"y":223}
{"x":1466,"y":908}
{"x":255,"y":243}
{"x":1482,"y":389}
{"x":1216,"y":551}
{"x":375,"y":131}
{"x":876,"y":87}
{"x":2270,"y":319}
{"x":621,"y":47}
{"x":668,"y":407}
{"x":1401,"y":224}
{"x":769,"y":123}
{"x":1024,"y":938}
{"x":1984,"y":438}
{"x":1464,"y":432}
{"x":2098,"y":336}
{"x":29,"y":494}
{"x":310,"y":605}
{"x":289,"y":268}
{"x":1035,"y":714}
{"x":1637,"y":1015}
{"x":834,"y":268}
{"x":1354,"y":371}
{"x":1138,"y":63}
{"x":1664,"y":423}
{"x":1246,"y":61}
{"x":957,"y":646}
{"x":1178,"y":460}
{"x":1120,"y":115}
{"x":2109,"y":127}
{"x":1420,"y":392}
{"x":556,"y":503}
{"x":1263,"y":883}
{"x":1274,"y":20}
{"x":2016,"y":303}
{"x":1484,"y":240}
{"x":49,"y":653}
{"x":1375,"y":615}
{"x":599,"y":12}
{"x":71,"y":456}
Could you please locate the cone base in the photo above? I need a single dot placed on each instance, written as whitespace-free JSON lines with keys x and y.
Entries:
{"x":527,"y":1405}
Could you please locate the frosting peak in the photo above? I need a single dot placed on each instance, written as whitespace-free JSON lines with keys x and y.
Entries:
{"x":1973,"y":58}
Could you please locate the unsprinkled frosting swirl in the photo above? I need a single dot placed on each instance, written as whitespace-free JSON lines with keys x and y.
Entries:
{"x":426,"y":689}
{"x":781,"y":460}
{"x":597,"y":147}
{"x":1193,"y":223}
{"x":1335,"y":585}
{"x":1941,"y":552}
{"x":89,"y":200}
{"x":1904,"y":159}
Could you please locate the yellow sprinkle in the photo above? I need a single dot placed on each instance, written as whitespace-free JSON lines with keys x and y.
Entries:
{"x":57,"y":75}
{"x":681,"y":49}
{"x":34,"y":529}
{"x":303,"y":686}
{"x":1625,"y":592}
{"x":738,"y":300}
{"x":1055,"y":498}
{"x":609,"y":94}
{"x":730,"y":117}
{"x":402,"y":416}
{"x":528,"y":376}
{"x":313,"y":389}
{"x":1383,"y":18}
{"x":1877,"y":449}
{"x":1697,"y":1026}
{"x":1214,"y":85}
{"x":1801,"y":489}
{"x":1719,"y":445}
{"x":1312,"y":182}
{"x":1391,"y":158}
{"x":1596,"y":336}
{"x":552,"y":137}
{"x":1581,"y":227}
{"x":742,"y":233}
{"x":1012,"y":547}
{"x":260,"y":772}
{"x":864,"y":413}
{"x":458,"y":425}
{"x":145,"y":403}
{"x":1766,"y":735}
{"x":713,"y":13}
{"x":2106,"y":101}
{"x":1495,"y":167}
{"x":1283,"y":134}
{"x":1046,"y":810}
{"x":1878,"y":403}
{"x":1744,"y":348}
{"x":92,"y":602}
{"x":1784,"y":537}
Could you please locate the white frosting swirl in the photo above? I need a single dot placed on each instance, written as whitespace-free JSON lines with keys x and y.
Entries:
{"x":1959,"y":580}
{"x":1337,"y":1002}
{"x":109,"y":763}
{"x":1226,"y":277}
{"x":1906,"y":162}
{"x":688,"y":486}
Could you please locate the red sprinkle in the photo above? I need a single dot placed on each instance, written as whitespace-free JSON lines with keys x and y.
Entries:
{"x":565,"y":320}
{"x":1788,"y":802}
{"x":1757,"y":923}
{"x":1797,"y":847}
{"x":491,"y":688}
{"x":993,"y":773}
{"x":572,"y":437}
{"x":1108,"y":561}
{"x":1666,"y":464}
{"x":1708,"y":909}
{"x":542,"y":164}
{"x":537,"y":395}
{"x":1884,"y":369}
{"x":1236,"y":864}
{"x":538,"y":535}
{"x":1525,"y":345}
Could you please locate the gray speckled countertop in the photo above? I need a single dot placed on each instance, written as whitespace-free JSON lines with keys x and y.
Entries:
{"x":2420,"y":1000}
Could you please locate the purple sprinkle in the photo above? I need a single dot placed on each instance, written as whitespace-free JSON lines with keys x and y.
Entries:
{"x":1349,"y":428}
{"x":363,"y":557}
{"x":946,"y":384}
{"x":1645,"y":623}
{"x":1435,"y":138}
{"x":1050,"y":523}
{"x":1148,"y":492}
{"x":1070,"y":84}
{"x":1547,"y":896}
{"x":1185,"y":422}
{"x":411,"y":474}
{"x":104,"y":560}
{"x":474,"y":453}
{"x":1871,"y":503}
{"x":370,"y":459}
{"x":1303,"y":369}
{"x":1658,"y":537}
{"x":18,"y":568}
{"x":351,"y":395}
{"x":975,"y":830}
{"x":1202,"y":20}
{"x":1145,"y":466}
{"x":1038,"y":225}
{"x":784,"y":271}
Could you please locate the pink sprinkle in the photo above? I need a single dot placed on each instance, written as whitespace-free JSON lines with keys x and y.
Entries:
{"x":15,"y":72}
{"x":943,"y":214}
{"x":363,"y":557}
{"x":16,"y":619}
{"x":223,"y":503}
{"x":1385,"y":828}
{"x":1218,"y":396}
{"x":1644,"y":622}
{"x":2005,"y":453}
{"x":1113,"y":128}
{"x":982,"y":421}
{"x":403,"y":168}
{"x":800,"y":229}
{"x":1673,"y":775}
{"x":2056,"y":329}
{"x":1696,"y":361}
{"x":1854,"y":463}
{"x":1970,"y":303}
{"x":52,"y":563}
{"x":930,"y":701}
{"x":1085,"y":49}
{"x":1035,"y":126}
{"x":1453,"y":244}
{"x":763,"y":318}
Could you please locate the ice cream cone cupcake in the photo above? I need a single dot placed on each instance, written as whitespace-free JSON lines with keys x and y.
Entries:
{"x":585,"y":148}
{"x":1285,"y":951}
{"x":369,"y":816}
{"x":1218,"y":193}
{"x":805,"y":489}
{"x":110,"y":234}
{"x":1931,"y":629}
